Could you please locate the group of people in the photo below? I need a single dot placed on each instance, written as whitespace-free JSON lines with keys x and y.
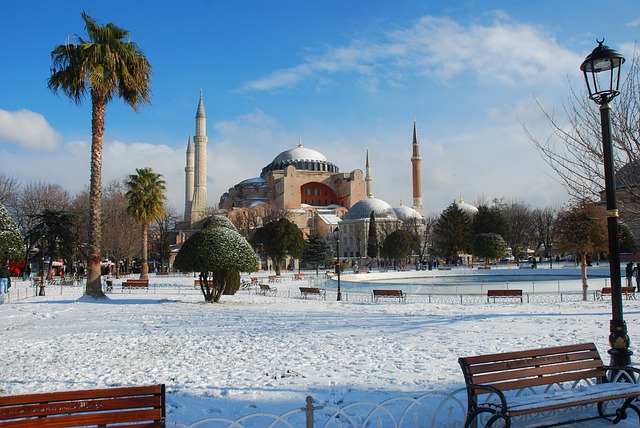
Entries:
{"x":631,"y":272}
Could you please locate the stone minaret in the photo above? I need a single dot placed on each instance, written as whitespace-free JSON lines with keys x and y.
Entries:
{"x":189,"y":177}
{"x":199,"y":204}
{"x":415,"y":172}
{"x":368,"y":179}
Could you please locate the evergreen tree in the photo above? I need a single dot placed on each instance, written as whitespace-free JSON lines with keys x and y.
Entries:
{"x":489,"y":220}
{"x":279,"y":238}
{"x":219,"y":253}
{"x":488,"y":246}
{"x":54,"y":231}
{"x":450,"y":233}
{"x":626,"y":239}
{"x":11,"y":244}
{"x":373,"y":244}
{"x":399,"y":245}
{"x":317,"y":251}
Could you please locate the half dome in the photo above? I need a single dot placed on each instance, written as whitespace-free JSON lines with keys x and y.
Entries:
{"x":405,"y":213}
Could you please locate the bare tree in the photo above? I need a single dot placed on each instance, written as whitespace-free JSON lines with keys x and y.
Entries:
{"x":80,"y":210}
{"x":574,"y":148}
{"x":32,"y":201}
{"x":246,"y":220}
{"x":544,"y":220}
{"x":9,"y":191}
{"x":359,"y":237}
{"x":161,"y":236}
{"x":120,"y":232}
{"x":519,"y":217}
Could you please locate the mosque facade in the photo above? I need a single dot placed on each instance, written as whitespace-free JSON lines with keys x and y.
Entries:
{"x":308,"y":188}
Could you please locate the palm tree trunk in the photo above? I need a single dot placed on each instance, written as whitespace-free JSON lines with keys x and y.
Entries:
{"x":144,"y":269}
{"x":94,"y":283}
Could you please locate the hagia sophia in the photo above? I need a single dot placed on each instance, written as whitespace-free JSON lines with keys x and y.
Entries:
{"x":308,"y":188}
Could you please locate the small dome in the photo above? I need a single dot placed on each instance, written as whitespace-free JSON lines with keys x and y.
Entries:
{"x":362,"y":210}
{"x":468,"y":209}
{"x":405,"y":213}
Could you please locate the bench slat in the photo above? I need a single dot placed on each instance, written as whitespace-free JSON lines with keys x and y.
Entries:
{"x":556,"y":350}
{"x":585,"y":368}
{"x":492,"y":293}
{"x":394,"y":293}
{"x":79,"y":406}
{"x":146,"y":418}
{"x":547,"y":380}
{"x":133,"y":406}
{"x":535,"y":361}
{"x":131,"y":391}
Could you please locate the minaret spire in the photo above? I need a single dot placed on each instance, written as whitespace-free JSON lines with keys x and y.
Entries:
{"x":189,"y":177}
{"x":199,"y":204}
{"x":415,"y":171}
{"x":368,"y":179}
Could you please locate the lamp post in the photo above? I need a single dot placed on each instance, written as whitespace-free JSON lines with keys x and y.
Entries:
{"x":336,"y":235}
{"x":602,"y":74}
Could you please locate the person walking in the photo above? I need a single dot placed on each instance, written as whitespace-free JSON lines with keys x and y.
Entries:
{"x":5,"y":279}
{"x":636,"y":273}
{"x":629,"y":273}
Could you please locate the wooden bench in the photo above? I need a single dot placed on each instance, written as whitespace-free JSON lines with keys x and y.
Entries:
{"x":628,"y":292}
{"x":540,"y":382}
{"x":504,"y":294}
{"x":267,"y":289}
{"x":275,"y":278}
{"x":136,"y":283}
{"x":398,"y":294}
{"x":312,"y":291}
{"x":142,"y":406}
{"x":298,"y":276}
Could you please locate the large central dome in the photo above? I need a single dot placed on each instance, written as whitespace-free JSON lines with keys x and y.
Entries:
{"x":303,"y":159}
{"x":300,"y":154}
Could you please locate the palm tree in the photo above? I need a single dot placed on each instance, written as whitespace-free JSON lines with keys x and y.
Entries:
{"x":107,"y":65}
{"x":146,"y":203}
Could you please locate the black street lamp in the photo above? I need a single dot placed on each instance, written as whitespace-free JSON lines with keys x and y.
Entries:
{"x":336,"y":235}
{"x":602,"y":73}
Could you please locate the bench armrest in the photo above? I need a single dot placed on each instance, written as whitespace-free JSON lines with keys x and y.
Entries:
{"x":479,"y":387}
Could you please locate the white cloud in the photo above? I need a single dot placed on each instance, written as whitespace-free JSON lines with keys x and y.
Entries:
{"x":502,"y":52}
{"x":27,"y":129}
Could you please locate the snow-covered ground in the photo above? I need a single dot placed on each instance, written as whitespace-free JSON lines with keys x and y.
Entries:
{"x":253,"y":353}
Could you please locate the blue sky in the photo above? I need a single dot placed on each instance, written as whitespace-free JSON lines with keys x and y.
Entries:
{"x":342,"y":75}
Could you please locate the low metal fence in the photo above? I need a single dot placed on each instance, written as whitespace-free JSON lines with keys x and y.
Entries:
{"x":431,"y":409}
